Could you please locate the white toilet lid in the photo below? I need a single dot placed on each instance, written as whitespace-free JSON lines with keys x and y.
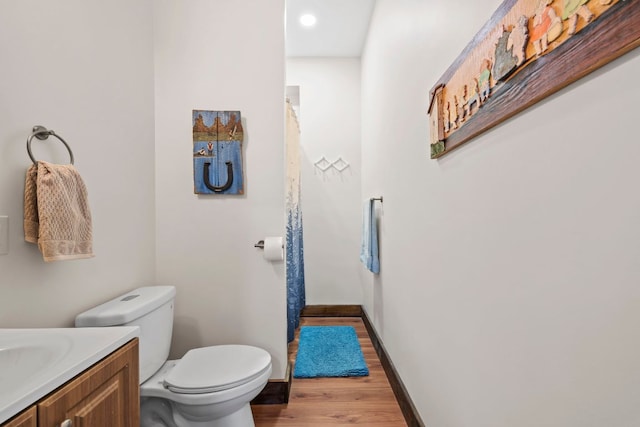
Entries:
{"x":217,"y":368}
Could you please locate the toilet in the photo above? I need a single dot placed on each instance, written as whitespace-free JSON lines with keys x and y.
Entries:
{"x":210,"y":386}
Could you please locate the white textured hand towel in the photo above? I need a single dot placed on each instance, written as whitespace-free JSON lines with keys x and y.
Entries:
{"x":56,"y":212}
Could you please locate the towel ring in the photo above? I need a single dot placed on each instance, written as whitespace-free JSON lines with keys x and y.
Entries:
{"x":43,"y":133}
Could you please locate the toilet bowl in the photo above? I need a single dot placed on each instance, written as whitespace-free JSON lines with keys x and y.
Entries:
{"x":209,"y":386}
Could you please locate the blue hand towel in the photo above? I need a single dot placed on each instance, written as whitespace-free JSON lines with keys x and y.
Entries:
{"x":369,"y":247}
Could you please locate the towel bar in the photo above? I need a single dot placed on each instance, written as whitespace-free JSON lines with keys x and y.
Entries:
{"x":43,"y":133}
{"x":376,"y":198}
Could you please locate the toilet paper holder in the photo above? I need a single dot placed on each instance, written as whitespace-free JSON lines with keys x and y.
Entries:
{"x":260,"y":244}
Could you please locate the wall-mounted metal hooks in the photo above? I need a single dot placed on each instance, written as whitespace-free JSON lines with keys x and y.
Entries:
{"x":323,"y":164}
{"x":340,"y":164}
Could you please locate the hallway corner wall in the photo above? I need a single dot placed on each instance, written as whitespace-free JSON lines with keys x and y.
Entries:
{"x":508,"y":289}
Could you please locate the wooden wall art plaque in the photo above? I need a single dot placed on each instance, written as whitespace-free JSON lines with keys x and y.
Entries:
{"x":528,"y":50}
{"x":217,"y":152}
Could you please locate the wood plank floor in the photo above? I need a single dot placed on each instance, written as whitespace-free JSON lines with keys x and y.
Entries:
{"x":316,"y":402}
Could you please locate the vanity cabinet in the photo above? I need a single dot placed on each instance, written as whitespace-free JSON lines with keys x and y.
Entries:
{"x":105,"y":395}
{"x":28,"y":418}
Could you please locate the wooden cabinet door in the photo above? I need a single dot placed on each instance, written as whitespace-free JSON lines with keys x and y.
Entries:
{"x":106,"y":395}
{"x":28,"y":418}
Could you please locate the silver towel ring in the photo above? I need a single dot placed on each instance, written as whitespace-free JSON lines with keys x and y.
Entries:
{"x":43,"y":133}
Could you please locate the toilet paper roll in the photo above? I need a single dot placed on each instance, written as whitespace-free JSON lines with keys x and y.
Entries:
{"x":273,"y":249}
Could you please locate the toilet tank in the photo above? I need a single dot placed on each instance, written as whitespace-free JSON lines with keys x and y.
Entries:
{"x":151,"y":309}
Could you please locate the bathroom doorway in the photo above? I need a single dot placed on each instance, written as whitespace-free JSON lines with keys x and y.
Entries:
{"x":323,"y":84}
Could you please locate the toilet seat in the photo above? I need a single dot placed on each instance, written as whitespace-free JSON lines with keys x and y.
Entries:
{"x":217,"y":368}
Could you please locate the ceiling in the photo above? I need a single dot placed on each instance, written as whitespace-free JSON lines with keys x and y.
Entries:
{"x":341,"y":27}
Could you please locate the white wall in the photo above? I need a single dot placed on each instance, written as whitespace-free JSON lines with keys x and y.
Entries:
{"x":508,"y":293}
{"x":331,"y":205}
{"x":218,"y":55}
{"x":84,"y":69}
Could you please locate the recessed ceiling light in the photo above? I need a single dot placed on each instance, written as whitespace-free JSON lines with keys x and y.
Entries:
{"x":308,"y":20}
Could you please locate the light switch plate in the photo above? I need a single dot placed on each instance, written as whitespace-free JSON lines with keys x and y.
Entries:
{"x":4,"y":235}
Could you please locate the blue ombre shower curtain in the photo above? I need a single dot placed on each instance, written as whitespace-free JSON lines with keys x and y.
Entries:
{"x":295,"y":248}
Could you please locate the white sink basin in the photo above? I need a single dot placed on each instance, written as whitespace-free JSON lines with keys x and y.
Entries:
{"x":34,"y":362}
{"x":26,"y":355}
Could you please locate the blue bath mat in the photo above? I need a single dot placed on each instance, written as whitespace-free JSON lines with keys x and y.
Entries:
{"x":329,"y":351}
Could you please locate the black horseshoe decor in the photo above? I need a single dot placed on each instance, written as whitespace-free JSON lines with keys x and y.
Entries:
{"x":205,"y":176}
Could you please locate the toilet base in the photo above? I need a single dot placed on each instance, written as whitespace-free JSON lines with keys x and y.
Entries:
{"x":158,"y":412}
{"x":241,"y":418}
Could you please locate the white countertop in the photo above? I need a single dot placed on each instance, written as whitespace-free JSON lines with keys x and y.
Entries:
{"x":34,"y":362}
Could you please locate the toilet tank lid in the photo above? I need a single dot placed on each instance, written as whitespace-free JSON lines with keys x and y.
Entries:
{"x":127,"y":307}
